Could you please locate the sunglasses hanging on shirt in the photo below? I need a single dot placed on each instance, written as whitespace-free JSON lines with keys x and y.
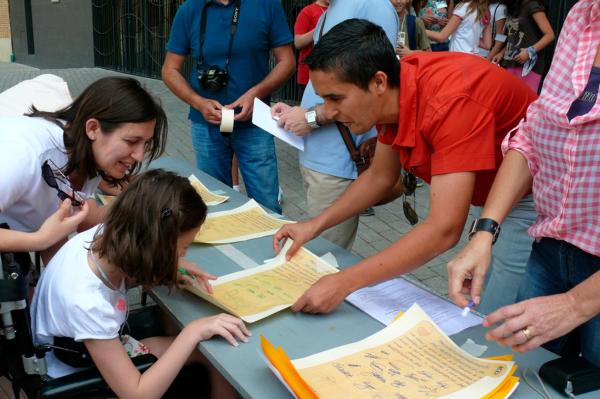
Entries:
{"x":55,"y":178}
{"x":409,"y":181}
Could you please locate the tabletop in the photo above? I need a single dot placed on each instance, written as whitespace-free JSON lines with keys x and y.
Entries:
{"x":299,"y":334}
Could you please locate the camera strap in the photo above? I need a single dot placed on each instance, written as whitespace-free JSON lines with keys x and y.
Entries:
{"x":235,"y":18}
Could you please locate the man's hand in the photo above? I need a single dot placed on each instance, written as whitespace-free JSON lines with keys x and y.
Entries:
{"x":466,"y":272}
{"x":291,"y":119}
{"x":246,"y":103}
{"x":279,"y":109}
{"x":324,"y":296}
{"x":300,"y":233}
{"x":210,"y":110}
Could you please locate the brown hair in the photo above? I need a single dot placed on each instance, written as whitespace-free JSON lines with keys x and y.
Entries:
{"x":481,"y":7}
{"x":143,"y":224}
{"x":113,"y":101}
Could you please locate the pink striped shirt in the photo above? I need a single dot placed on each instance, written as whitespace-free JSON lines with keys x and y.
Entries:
{"x":563,"y":155}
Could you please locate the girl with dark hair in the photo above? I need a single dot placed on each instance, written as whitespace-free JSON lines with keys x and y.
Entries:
{"x":82,"y":293}
{"x":49,"y":157}
{"x":528,"y":32}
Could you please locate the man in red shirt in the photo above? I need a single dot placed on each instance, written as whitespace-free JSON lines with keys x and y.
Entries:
{"x":441,"y":116}
{"x":304,"y":32}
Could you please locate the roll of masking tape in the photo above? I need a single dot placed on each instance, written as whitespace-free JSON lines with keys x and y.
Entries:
{"x":226,"y":120}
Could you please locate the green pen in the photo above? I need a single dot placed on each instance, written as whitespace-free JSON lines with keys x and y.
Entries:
{"x":186,"y":273}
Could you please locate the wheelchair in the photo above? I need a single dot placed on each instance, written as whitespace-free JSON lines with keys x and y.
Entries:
{"x":24,"y":364}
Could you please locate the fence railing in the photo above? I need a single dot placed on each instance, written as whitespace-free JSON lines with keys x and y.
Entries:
{"x":130,"y":36}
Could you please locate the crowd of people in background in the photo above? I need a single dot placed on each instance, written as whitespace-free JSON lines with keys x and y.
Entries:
{"x":450,"y":90}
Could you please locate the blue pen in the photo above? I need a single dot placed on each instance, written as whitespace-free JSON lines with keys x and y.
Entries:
{"x":468,"y":308}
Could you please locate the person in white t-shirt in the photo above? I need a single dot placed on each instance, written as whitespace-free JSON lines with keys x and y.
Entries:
{"x":497,"y":22}
{"x":82,"y":293}
{"x":49,"y":157}
{"x":468,"y":28}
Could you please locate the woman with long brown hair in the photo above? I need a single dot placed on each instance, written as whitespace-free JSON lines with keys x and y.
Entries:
{"x":50,"y":162}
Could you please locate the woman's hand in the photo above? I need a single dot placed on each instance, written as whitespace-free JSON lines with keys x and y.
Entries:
{"x":543,"y":319}
{"x":227,"y":326}
{"x":60,"y":224}
{"x":195,"y":276}
{"x":466,"y":272}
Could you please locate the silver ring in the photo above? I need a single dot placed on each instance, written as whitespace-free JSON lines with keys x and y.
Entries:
{"x":526,"y":333}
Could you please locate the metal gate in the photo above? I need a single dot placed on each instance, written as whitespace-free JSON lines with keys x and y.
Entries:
{"x":130,"y":36}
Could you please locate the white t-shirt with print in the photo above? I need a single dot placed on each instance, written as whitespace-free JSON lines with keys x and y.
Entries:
{"x":71,"y":301}
{"x":497,"y":13}
{"x":466,"y":37}
{"x":26,"y":201}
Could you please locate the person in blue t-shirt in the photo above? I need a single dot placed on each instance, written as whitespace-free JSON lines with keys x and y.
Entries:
{"x":232,"y":62}
{"x":326,"y":166}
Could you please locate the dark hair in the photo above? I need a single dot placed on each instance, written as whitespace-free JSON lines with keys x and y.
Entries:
{"x":356,"y":49}
{"x":113,"y":101}
{"x":514,"y":7}
{"x":143,"y":224}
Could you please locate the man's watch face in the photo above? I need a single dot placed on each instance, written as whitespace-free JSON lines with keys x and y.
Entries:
{"x":311,"y":118}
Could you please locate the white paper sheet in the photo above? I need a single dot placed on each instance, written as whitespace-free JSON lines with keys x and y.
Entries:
{"x":383,"y":302}
{"x":261,"y":117}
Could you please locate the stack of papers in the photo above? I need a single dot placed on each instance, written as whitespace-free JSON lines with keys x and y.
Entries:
{"x":259,"y":292}
{"x":410,"y":358}
{"x":242,"y":223}
{"x":208,"y":196}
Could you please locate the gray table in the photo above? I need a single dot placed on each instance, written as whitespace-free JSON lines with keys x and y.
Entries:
{"x":298,"y":333}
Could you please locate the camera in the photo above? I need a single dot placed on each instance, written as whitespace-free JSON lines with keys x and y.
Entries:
{"x":213,"y":78}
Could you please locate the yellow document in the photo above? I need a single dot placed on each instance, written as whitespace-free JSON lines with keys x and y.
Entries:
{"x":208,"y":196}
{"x":243,"y":223}
{"x":410,"y":358}
{"x":256,"y":293}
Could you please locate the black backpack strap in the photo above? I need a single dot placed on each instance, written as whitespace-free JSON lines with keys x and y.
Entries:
{"x":411,"y":26}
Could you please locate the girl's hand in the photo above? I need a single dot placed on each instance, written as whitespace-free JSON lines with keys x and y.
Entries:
{"x":195,"y":276}
{"x":522,"y":57}
{"x":225,"y":325}
{"x":403,"y":51}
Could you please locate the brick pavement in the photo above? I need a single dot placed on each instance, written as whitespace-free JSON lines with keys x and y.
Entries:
{"x":375,"y":233}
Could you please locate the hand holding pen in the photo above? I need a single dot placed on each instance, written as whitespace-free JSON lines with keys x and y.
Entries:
{"x":189,"y":272}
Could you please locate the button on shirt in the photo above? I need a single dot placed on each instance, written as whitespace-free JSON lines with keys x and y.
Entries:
{"x":564,"y":156}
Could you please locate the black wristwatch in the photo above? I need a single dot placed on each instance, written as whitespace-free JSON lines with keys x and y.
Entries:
{"x":489,"y":225}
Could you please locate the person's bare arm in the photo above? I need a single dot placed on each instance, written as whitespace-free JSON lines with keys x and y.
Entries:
{"x":304,"y":39}
{"x":365,"y":191}
{"x":449,"y":29}
{"x":450,"y":198}
{"x":172,"y":75}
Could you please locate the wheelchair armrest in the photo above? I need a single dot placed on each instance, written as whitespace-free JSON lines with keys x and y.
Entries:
{"x":88,"y":380}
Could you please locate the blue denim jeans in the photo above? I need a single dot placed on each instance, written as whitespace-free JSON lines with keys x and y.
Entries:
{"x":509,"y":257}
{"x":255,"y":151}
{"x":553,"y":268}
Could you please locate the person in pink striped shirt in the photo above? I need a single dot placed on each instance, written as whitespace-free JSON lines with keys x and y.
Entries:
{"x":555,"y":153}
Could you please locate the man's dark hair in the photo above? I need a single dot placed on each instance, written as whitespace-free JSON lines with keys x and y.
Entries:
{"x":355,"y":50}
